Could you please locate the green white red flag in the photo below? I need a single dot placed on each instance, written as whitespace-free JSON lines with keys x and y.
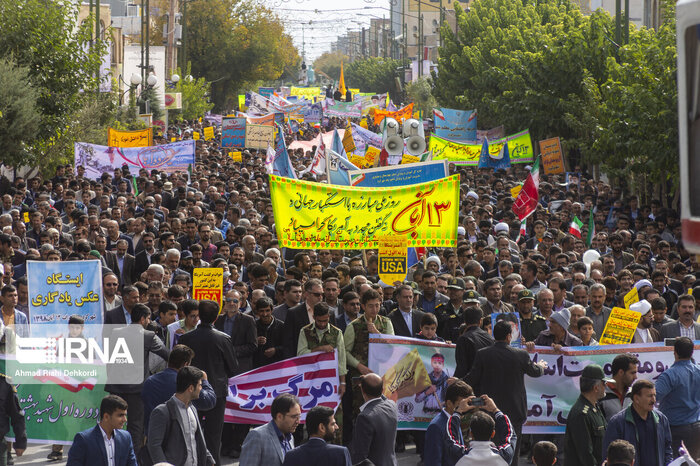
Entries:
{"x":591,"y":230}
{"x":526,"y":202}
{"x":576,"y":227}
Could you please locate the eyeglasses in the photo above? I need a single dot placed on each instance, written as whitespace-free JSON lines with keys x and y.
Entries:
{"x":231,"y":300}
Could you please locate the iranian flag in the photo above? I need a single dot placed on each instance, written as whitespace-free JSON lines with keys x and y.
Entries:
{"x":575,"y":228}
{"x":526,"y":202}
{"x":591,"y":230}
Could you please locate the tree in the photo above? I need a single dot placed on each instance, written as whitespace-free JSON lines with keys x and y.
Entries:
{"x":195,"y":96}
{"x":329,"y":64}
{"x":420,"y":93}
{"x":234,"y":42}
{"x":374,"y":74}
{"x":19,"y":112}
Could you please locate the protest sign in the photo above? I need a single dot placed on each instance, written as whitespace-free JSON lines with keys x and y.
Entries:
{"x":345,"y":109}
{"x":631,"y":297}
{"x":236,"y":156}
{"x":312,"y":113}
{"x":491,"y":134}
{"x":552,"y":156}
{"x":400,"y":115}
{"x":264,"y":120}
{"x":165,"y":158}
{"x":550,"y":397}
{"x":314,"y":215}
{"x":456,"y":125}
{"x":233,"y":132}
{"x":408,"y":158}
{"x":138,"y":138}
{"x":259,"y":136}
{"x":195,"y":135}
{"x":512,"y":318}
{"x":306,"y":92}
{"x":208,"y":283}
{"x":266,"y":91}
{"x":409,"y":367}
{"x":364,"y":137}
{"x":392,"y":259}
{"x":173,"y":100}
{"x":208,"y":133}
{"x":399,"y":175}
{"x":348,"y":141}
{"x":313,"y":378}
{"x":58,"y":290}
{"x":519,"y":149}
{"x":620,"y":327}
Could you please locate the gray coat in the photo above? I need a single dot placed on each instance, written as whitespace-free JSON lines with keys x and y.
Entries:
{"x":375,"y":433}
{"x":672,"y":330}
{"x":171,"y":448}
{"x":262,"y":447}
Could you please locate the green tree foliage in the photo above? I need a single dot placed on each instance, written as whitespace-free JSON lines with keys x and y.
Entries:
{"x":419,"y":92}
{"x":195,"y":96}
{"x":234,"y":42}
{"x":374,"y":74}
{"x":46,"y":38}
{"x":545,"y":66}
{"x":328,"y":64}
{"x":19,"y":113}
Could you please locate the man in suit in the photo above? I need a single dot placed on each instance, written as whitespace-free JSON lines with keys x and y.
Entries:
{"x":302,"y":315}
{"x":375,"y":427}
{"x":106,"y":443}
{"x":110,"y":258}
{"x":121,"y":379}
{"x":321,"y":426}
{"x":405,"y":319}
{"x":268,"y":444}
{"x":213,"y":353}
{"x":494,"y":294}
{"x":471,"y":341}
{"x":122,"y":314}
{"x":499,"y":371}
{"x":143,"y":258}
{"x":125,"y":263}
{"x":270,"y":334}
{"x":170,"y":438}
{"x":244,"y":338}
{"x":685,"y":326}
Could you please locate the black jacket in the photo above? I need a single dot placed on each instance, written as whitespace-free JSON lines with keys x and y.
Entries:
{"x":498,"y":372}
{"x":10,"y":411}
{"x":297,"y":318}
{"x":473,"y":339}
{"x":275,"y":339}
{"x":400,"y":328}
{"x":213,"y":353}
{"x":244,"y":338}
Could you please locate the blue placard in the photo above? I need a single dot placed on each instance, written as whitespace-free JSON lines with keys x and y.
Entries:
{"x":233,"y":132}
{"x":399,"y":175}
{"x":456,"y":125}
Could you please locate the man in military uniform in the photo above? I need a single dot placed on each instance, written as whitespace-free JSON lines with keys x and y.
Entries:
{"x":585,"y":426}
{"x":10,"y":412}
{"x":449,"y":315}
{"x":531,"y":324}
{"x":320,"y":335}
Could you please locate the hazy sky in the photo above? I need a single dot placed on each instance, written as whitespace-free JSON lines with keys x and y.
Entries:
{"x":320,"y":22}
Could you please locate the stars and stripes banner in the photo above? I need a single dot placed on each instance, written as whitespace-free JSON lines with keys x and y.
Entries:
{"x":313,"y":378}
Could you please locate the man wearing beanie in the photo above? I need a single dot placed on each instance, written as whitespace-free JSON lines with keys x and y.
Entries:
{"x":558,"y":334}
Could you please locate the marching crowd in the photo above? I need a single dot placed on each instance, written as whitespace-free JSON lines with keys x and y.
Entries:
{"x":150,"y":230}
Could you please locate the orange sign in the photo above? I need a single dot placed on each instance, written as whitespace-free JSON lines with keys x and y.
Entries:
{"x":552,"y":156}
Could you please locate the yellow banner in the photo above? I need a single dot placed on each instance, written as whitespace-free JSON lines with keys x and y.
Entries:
{"x":208,"y":283}
{"x":393,"y":254}
{"x":408,"y":158}
{"x":620,"y":328}
{"x":209,"y":133}
{"x":372,"y":153}
{"x":407,"y":377}
{"x":369,"y":160}
{"x":307,"y":92}
{"x":519,"y":149}
{"x":313,"y":215}
{"x":631,"y":297}
{"x":138,"y":138}
{"x":241,"y":102}
{"x":348,"y":141}
{"x":399,"y":115}
{"x":236,"y":156}
{"x":195,"y":135}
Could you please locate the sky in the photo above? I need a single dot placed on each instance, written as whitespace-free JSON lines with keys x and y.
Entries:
{"x":320,"y":22}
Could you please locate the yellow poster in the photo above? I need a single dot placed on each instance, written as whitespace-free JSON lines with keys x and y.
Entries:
{"x":400,"y":115}
{"x":408,"y":158}
{"x":514,"y":191}
{"x":236,"y":156}
{"x":372,"y":153}
{"x":195,"y":135}
{"x":241,"y":102}
{"x":307,"y":92}
{"x":138,"y":138}
{"x":315,"y":215}
{"x":208,"y":133}
{"x":208,"y":283}
{"x":358,"y":161}
{"x":173,"y":139}
{"x":519,"y":149}
{"x":631,"y":297}
{"x":620,"y":328}
{"x":407,"y":377}
{"x":552,"y":157}
{"x":348,"y":141}
{"x":392,"y":259}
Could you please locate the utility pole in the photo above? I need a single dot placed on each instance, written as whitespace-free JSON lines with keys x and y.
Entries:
{"x":384,"y":35}
{"x":403,"y":27}
{"x":376,"y":42}
{"x":442,"y":20}
{"x":391,"y":29}
{"x":97,"y":39}
{"x":183,"y":52}
{"x":170,"y":49}
{"x":148,"y":36}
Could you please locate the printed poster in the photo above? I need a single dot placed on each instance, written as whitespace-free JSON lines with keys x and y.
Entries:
{"x":138,"y":138}
{"x":259,"y":136}
{"x":233,"y":132}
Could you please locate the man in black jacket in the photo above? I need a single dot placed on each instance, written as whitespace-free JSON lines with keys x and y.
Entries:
{"x":213,"y":353}
{"x":471,"y":341}
{"x":270,"y":334}
{"x":498,"y":372}
{"x":405,"y":314}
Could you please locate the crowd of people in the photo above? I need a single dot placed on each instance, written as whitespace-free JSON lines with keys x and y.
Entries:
{"x":150,"y":230}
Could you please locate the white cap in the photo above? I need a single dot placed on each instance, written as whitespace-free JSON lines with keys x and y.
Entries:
{"x":642,"y":306}
{"x":501,"y":226}
{"x":642,"y":283}
{"x":461,"y":231}
{"x":433,"y":259}
{"x":472,"y":194}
